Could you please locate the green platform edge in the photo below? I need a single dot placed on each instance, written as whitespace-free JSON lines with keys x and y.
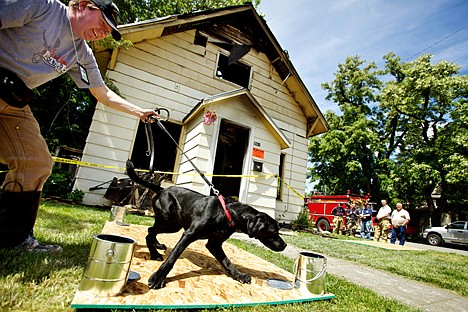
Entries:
{"x":197,"y":306}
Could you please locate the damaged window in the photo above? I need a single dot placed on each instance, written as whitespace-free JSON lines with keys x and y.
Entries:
{"x":279,"y":187}
{"x":237,"y":72}
{"x":165,"y":149}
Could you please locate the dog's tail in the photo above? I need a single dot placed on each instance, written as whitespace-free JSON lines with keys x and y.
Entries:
{"x":136,"y":178}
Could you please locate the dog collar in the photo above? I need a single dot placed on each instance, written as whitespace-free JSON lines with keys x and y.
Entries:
{"x":228,"y":214}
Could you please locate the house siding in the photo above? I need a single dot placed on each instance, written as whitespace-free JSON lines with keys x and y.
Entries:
{"x":173,"y":73}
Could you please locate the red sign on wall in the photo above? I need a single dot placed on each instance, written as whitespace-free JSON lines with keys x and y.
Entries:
{"x":258,"y":153}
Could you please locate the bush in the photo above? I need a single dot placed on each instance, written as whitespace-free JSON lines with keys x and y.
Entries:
{"x":60,"y":184}
{"x":302,"y":220}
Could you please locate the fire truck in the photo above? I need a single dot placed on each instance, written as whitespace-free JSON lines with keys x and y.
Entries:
{"x":321,"y":206}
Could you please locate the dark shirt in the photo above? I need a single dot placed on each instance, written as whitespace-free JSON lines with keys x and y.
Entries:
{"x":352,"y":214}
{"x":338,"y":211}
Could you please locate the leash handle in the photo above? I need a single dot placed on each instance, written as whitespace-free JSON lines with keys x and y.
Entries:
{"x":149,"y":135}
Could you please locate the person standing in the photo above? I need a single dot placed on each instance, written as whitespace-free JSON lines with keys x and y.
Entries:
{"x":339,"y":212}
{"x":365,"y":215}
{"x":352,"y":220}
{"x":41,"y":40}
{"x":400,"y":219}
{"x":382,"y":226}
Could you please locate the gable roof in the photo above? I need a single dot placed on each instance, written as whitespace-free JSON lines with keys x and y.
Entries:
{"x":237,"y":29}
{"x":242,"y":93}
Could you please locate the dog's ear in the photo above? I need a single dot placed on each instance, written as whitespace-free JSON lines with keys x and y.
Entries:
{"x":255,"y":225}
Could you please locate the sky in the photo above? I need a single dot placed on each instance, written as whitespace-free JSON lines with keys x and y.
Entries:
{"x":320,"y":34}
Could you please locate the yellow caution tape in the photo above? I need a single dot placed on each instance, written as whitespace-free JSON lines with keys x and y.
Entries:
{"x":290,"y":187}
{"x":88,"y":164}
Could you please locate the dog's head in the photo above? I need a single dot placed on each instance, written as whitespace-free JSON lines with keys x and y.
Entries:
{"x":264,"y":228}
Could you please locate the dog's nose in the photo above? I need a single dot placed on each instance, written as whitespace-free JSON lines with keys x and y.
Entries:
{"x":275,"y":244}
{"x":282,"y":246}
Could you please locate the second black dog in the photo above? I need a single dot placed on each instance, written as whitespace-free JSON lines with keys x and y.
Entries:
{"x":202,"y":217}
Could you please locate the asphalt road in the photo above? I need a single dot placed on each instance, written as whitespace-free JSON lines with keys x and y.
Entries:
{"x":459,"y":249}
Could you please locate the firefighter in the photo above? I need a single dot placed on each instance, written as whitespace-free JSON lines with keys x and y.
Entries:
{"x":352,"y":220}
{"x":382,"y":228}
{"x":339,"y":212}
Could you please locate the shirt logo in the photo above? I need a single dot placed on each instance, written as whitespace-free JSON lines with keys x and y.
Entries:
{"x":50,"y":56}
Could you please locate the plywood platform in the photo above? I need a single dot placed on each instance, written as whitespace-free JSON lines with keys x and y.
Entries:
{"x":196,"y":281}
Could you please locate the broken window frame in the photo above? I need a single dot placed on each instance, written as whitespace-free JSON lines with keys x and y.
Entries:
{"x":235,"y":66}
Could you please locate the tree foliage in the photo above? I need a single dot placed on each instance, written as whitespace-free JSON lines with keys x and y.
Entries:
{"x":402,"y":133}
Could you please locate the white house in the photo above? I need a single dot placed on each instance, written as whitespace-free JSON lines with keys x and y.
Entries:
{"x":224,"y":60}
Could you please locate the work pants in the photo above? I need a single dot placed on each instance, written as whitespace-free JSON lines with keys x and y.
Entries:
{"x":382,"y":229}
{"x":23,"y":149}
{"x":338,"y":225}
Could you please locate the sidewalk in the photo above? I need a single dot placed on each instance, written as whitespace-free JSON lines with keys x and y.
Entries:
{"x":411,"y":293}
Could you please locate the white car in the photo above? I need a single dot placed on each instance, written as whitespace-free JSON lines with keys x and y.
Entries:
{"x":454,"y":233}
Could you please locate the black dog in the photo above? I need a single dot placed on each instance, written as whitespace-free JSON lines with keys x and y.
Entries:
{"x":202,"y":217}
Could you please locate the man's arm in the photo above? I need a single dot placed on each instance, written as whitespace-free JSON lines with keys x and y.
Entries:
{"x":113,"y":100}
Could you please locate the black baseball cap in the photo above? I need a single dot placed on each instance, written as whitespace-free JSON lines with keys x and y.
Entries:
{"x":109,"y":11}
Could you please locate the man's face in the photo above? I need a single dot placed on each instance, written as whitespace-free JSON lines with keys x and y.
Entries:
{"x":92,"y":25}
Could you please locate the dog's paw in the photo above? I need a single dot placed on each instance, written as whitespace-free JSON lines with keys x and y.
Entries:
{"x":156,"y":256}
{"x":243,"y":278}
{"x":155,"y":282}
{"x":161,"y":246}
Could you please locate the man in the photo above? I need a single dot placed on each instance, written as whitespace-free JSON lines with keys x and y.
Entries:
{"x":339,"y":212}
{"x":352,"y":220}
{"x":400,"y":219}
{"x":382,"y":226}
{"x":366,"y":221}
{"x":40,"y":40}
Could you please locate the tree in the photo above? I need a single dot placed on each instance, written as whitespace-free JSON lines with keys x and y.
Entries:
{"x":427,"y":99}
{"x":344,"y":157}
{"x":416,"y":115}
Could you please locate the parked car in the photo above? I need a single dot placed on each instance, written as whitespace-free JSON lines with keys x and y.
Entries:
{"x":454,"y":233}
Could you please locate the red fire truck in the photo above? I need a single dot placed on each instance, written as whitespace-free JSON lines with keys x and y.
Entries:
{"x":320,"y":207}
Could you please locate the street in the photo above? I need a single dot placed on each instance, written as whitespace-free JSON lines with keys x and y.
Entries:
{"x":459,"y":249}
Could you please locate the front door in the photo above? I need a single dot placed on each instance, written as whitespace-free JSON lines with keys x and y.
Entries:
{"x":229,"y":160}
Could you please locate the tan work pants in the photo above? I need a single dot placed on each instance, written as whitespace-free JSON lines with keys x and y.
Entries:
{"x":23,"y":149}
{"x":382,"y":228}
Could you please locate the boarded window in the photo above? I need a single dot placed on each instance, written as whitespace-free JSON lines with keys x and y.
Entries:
{"x":237,"y":72}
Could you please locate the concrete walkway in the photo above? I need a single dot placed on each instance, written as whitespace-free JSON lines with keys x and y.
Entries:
{"x":411,"y":293}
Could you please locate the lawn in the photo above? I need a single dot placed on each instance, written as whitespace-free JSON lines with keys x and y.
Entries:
{"x":38,"y":282}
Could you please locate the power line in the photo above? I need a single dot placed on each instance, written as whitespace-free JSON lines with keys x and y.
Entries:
{"x":445,"y":38}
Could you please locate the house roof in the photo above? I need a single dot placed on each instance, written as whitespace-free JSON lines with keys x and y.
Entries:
{"x":237,"y":29}
{"x":242,"y":93}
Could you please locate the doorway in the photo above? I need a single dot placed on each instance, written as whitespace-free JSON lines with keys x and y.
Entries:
{"x":229,"y":160}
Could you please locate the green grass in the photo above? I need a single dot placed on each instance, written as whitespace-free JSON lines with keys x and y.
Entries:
{"x":38,"y":282}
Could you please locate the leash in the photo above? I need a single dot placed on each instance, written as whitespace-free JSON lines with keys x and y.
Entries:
{"x":149,"y":137}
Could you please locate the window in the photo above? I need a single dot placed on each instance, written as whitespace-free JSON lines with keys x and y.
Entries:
{"x":279,"y":188}
{"x":457,"y":226}
{"x":165,"y":149}
{"x":237,"y":72}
